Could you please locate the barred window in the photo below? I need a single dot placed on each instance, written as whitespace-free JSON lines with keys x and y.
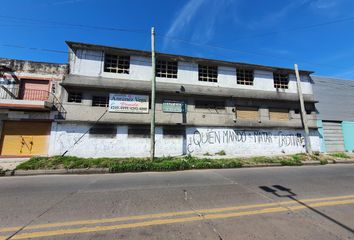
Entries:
{"x":281,"y":80}
{"x":166,"y":69}
{"x":75,"y":97}
{"x":244,"y":76}
{"x":116,"y":64}
{"x":100,"y":101}
{"x":207,"y":73}
{"x":206,"y":104}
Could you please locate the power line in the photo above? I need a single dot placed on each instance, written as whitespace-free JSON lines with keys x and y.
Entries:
{"x":305,"y":27}
{"x":34,"y":48}
{"x":33,"y":20}
{"x":141,"y":31}
{"x":142,"y":61}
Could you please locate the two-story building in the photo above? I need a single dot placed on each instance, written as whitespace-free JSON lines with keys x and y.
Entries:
{"x":203,"y":106}
{"x":29,"y":104}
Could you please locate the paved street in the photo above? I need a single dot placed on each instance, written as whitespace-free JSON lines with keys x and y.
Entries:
{"x":264,"y":203}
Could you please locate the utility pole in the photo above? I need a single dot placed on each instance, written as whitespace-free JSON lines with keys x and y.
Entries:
{"x":153,"y":91}
{"x":303,"y":111}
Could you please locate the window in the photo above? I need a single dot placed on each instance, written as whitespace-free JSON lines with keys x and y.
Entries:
{"x":99,"y":101}
{"x":116,"y":64}
{"x":247,"y":113}
{"x":166,"y":69}
{"x":281,"y":80}
{"x":297,"y":111}
{"x":279,"y":114}
{"x":102,"y":130}
{"x":244,"y":76}
{"x":205,"y":104}
{"x":139,"y":132}
{"x":74,"y":97}
{"x":207,"y":73}
{"x":173,"y":132}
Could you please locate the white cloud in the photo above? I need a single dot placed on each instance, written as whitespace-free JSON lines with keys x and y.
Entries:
{"x":277,"y":15}
{"x":184,"y":17}
{"x":198,"y":19}
{"x":324,"y":4}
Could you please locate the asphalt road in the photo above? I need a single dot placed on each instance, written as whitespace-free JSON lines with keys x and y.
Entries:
{"x":264,"y":203}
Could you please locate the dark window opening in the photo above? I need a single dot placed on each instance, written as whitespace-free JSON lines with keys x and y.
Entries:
{"x":100,"y":101}
{"x":244,"y":76}
{"x":207,"y":73}
{"x":281,"y":80}
{"x":116,"y":64}
{"x":297,"y":111}
{"x":103,"y":130}
{"x":205,"y":104}
{"x":173,"y":132}
{"x":139,"y":131}
{"x":166,"y":69}
{"x":75,"y":97}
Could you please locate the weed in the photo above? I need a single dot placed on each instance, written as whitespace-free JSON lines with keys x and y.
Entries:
{"x":339,"y":155}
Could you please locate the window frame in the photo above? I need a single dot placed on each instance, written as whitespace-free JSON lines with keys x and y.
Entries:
{"x":163,"y":66}
{"x":106,"y":99}
{"x":279,"y":82}
{"x":120,"y":65}
{"x":242,"y":75}
{"x":206,"y":70}
{"x":72,"y":99}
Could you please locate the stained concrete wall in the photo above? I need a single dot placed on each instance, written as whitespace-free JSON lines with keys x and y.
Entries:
{"x":198,"y":141}
{"x":335,"y":98}
{"x":195,"y":116}
{"x":91,"y":62}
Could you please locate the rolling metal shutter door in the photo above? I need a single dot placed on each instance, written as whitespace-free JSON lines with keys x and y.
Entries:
{"x":25,"y":138}
{"x":333,"y":136}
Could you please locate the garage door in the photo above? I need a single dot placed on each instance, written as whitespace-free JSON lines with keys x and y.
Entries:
{"x":25,"y":138}
{"x":333,"y":135}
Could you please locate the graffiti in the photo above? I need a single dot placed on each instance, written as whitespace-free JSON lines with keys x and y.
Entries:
{"x":210,"y":137}
{"x":286,"y":140}
{"x":218,"y":137}
{"x":262,"y":137}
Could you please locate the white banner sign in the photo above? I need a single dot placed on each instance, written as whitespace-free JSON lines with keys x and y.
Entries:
{"x":128,"y":103}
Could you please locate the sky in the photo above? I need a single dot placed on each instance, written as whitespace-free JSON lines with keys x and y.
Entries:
{"x":318,"y":35}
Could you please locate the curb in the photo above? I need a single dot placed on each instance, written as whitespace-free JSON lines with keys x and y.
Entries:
{"x":106,"y":170}
{"x":57,"y":171}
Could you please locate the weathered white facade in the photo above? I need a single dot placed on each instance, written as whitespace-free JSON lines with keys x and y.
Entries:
{"x":200,"y":129}
{"x":91,"y":63}
{"x":198,"y":141}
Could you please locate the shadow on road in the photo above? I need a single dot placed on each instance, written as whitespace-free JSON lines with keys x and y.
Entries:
{"x":283,"y":192}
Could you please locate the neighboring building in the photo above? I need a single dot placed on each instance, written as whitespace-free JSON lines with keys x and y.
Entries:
{"x":336,"y":114}
{"x":28,"y":105}
{"x":203,"y":106}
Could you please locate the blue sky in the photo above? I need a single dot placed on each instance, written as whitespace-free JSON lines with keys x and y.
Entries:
{"x":276,"y":33}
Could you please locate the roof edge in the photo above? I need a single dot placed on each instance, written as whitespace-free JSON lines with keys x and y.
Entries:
{"x":73,"y":44}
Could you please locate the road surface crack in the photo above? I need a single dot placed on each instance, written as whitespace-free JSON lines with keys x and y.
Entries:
{"x":48,"y":209}
{"x":201,"y":215}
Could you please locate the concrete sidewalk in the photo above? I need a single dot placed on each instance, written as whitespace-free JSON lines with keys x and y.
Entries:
{"x":11,"y":163}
